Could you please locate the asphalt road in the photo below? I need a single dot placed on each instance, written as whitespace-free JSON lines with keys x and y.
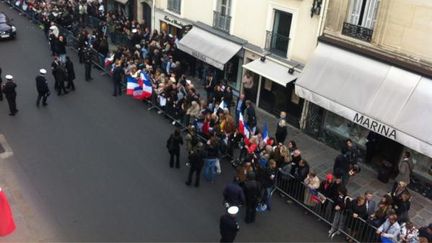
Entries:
{"x":93,"y":167}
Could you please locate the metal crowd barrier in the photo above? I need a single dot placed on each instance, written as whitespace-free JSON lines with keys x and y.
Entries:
{"x":356,"y":229}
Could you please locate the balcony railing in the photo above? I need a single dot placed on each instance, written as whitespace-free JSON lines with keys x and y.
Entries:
{"x":277,"y":43}
{"x":357,"y":32}
{"x":221,"y":22}
{"x":174,"y":6}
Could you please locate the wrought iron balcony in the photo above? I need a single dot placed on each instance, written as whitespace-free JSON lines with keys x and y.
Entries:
{"x":221,"y":22}
{"x":277,"y":43}
{"x":357,"y":32}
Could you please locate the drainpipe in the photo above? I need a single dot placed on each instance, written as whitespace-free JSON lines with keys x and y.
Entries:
{"x":322,"y":17}
{"x":153,"y":15}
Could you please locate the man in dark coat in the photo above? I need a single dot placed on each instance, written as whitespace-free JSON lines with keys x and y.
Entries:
{"x":87,"y":58}
{"x":196,"y":160}
{"x":228,"y":225}
{"x":117,"y":77}
{"x":252,"y":192}
{"x":61,"y":76}
{"x":341,"y":167}
{"x":42,"y":88}
{"x":173,"y":146}
{"x":70,"y":74}
{"x":250,"y":115}
{"x":54,"y":65}
{"x":233,"y":193}
{"x":10,"y":94}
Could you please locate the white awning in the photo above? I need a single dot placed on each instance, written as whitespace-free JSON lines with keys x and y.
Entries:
{"x":122,"y":1}
{"x":207,"y":47}
{"x":387,"y":100}
{"x":271,"y":70}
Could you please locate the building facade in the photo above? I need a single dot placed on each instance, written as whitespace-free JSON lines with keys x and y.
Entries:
{"x":370,"y":80}
{"x":258,"y":46}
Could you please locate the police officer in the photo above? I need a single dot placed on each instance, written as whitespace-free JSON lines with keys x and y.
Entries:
{"x":87,"y":63}
{"x":228,"y":225}
{"x":42,"y":88}
{"x":10,"y":94}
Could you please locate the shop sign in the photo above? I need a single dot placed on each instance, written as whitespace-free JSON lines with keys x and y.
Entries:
{"x":375,"y":126}
{"x":173,"y":21}
{"x":199,"y":56}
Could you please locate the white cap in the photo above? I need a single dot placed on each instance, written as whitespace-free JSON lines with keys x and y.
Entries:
{"x":9,"y":77}
{"x":134,"y":30}
{"x":233,"y":210}
{"x":42,"y":71}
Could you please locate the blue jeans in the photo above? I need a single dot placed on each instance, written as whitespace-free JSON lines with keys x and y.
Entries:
{"x":210,"y":169}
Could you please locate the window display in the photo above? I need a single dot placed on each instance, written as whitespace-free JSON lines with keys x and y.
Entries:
{"x":346,"y":129}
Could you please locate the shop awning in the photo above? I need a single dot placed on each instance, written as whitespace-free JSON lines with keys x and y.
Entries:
{"x":122,"y":1}
{"x":387,"y":100}
{"x":208,"y":47}
{"x":271,"y":70}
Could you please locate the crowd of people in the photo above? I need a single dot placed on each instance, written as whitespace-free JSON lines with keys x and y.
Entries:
{"x":217,"y":124}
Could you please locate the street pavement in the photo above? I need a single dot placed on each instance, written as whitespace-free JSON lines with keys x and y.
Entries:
{"x":93,"y":167}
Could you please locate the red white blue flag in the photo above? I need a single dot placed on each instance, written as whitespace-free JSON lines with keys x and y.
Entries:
{"x":243,"y":129}
{"x":139,"y":87}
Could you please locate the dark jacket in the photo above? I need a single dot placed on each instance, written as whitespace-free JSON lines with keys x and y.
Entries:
{"x":41,"y":84}
{"x":60,"y":46}
{"x":301,"y":172}
{"x":228,"y":227}
{"x":9,"y":89}
{"x":341,"y":165}
{"x":233,"y":194}
{"x":252,"y":191}
{"x":173,"y":143}
{"x":251,"y":117}
{"x":196,"y":158}
{"x":328,"y":189}
{"x":242,"y":106}
{"x":70,"y":70}
{"x":117,"y":74}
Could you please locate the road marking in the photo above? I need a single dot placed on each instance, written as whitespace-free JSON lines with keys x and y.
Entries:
{"x":8,"y":151}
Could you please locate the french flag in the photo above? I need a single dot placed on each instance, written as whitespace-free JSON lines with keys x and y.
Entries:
{"x":243,"y":129}
{"x":265,"y":135}
{"x":139,"y":87}
{"x":147,"y":86}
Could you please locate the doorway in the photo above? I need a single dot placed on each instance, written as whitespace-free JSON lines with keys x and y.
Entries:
{"x":147,"y":11}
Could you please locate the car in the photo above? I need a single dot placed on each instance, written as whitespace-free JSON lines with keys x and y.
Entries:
{"x":7,"y":29}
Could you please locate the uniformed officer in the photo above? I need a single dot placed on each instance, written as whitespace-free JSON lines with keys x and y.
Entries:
{"x":87,"y":63}
{"x":42,"y":88}
{"x":10,"y":94}
{"x":228,"y":225}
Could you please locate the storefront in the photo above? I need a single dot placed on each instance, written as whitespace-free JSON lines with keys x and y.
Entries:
{"x":144,"y":12}
{"x":170,"y":24}
{"x":270,"y":85}
{"x":213,"y":54}
{"x":385,"y":110}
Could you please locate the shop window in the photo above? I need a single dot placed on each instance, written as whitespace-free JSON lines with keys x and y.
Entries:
{"x":174,"y":6}
{"x":422,"y":164}
{"x":346,"y":129}
{"x":361,"y":19}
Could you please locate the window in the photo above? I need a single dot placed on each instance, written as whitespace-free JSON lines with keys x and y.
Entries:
{"x":363,"y":13}
{"x":221,"y":17}
{"x":174,"y":6}
{"x":361,"y":19}
{"x":277,"y":39}
{"x":224,"y":7}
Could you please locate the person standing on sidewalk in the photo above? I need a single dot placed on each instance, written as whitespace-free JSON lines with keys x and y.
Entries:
{"x":405,"y":167}
{"x":252,"y":192}
{"x":10,"y":93}
{"x":228,"y":225}
{"x":117,"y":76}
{"x":42,"y":88}
{"x":281,"y":129}
{"x":87,"y":58}
{"x":173,"y":146}
{"x":7,"y":223}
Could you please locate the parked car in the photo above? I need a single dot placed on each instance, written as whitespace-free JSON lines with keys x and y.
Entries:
{"x":7,"y":29}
